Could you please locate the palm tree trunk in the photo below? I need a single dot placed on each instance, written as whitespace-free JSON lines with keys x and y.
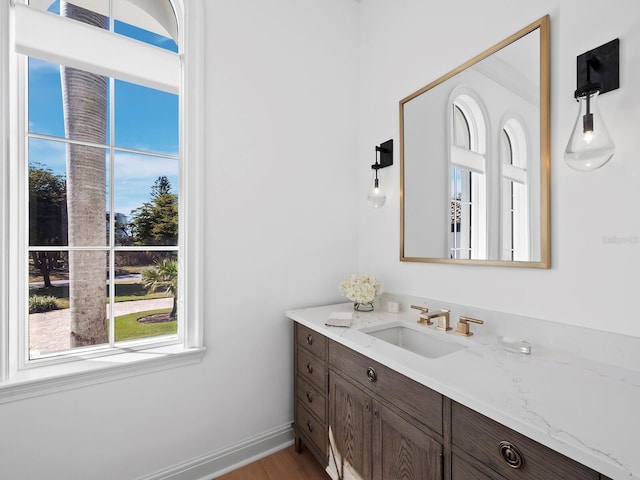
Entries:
{"x":85,"y":115}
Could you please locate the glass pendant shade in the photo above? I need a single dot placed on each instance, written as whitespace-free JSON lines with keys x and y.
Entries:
{"x":590,"y":145}
{"x":376,"y":197}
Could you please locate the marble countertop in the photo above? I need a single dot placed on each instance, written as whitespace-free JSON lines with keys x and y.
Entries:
{"x":582,"y":407}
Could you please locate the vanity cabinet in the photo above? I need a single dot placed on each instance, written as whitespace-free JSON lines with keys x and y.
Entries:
{"x":363,"y":420}
{"x":310,"y":392}
{"x":371,"y":435}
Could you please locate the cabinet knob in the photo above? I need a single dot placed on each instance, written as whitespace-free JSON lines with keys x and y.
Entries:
{"x":511,"y":454}
{"x":309,"y":397}
{"x":309,"y":426}
{"x":309,"y":368}
{"x":372,"y":376}
{"x":309,"y":339}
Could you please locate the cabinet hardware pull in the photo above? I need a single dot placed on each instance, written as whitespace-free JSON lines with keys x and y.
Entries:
{"x":309,"y":368}
{"x":375,"y":413}
{"x":309,"y":397}
{"x":371,"y":374}
{"x":309,"y":426}
{"x":309,"y":339}
{"x":511,"y":454}
{"x":367,"y":407}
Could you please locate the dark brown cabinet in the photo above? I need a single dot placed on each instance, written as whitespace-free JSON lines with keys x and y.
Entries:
{"x":310,"y":392}
{"x":403,"y":448}
{"x":350,"y":416}
{"x":371,"y":438}
{"x":363,"y":420}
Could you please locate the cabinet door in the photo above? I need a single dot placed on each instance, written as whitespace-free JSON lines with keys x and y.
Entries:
{"x":349,"y":430}
{"x":402,"y":450}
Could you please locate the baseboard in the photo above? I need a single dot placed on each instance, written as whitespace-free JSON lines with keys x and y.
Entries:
{"x":214,"y":464}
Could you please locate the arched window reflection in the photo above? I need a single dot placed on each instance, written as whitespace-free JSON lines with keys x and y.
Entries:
{"x":467,"y":236}
{"x":515,"y":192}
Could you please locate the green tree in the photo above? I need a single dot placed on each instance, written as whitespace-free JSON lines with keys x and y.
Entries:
{"x":84,"y":97}
{"x":161,"y":186}
{"x":47,"y":218}
{"x":163,"y":274}
{"x":156,"y":221}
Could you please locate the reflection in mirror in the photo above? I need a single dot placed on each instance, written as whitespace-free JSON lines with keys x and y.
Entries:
{"x":475,"y":159}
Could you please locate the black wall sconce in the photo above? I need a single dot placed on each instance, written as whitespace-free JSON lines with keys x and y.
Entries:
{"x":376,"y":196}
{"x":598,"y":71}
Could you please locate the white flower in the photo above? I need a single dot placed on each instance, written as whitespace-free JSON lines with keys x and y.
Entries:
{"x":360,"y":288}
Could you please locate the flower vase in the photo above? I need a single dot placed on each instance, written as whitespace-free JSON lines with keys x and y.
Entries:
{"x":363,"y":306}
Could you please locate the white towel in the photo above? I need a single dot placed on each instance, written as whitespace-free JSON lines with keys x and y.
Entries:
{"x":339,"y":319}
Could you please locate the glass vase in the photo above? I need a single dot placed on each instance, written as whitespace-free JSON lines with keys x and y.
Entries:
{"x":363,"y":306}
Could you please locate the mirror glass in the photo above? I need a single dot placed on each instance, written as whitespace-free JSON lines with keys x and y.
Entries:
{"x":474,"y":153}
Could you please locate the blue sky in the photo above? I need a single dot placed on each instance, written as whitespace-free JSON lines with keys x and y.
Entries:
{"x":144,"y":119}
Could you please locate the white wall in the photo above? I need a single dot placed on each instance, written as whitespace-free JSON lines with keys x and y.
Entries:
{"x":595,"y":224}
{"x":281,"y":213}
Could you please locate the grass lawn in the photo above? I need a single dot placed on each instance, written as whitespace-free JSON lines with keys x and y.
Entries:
{"x":128,"y":327}
{"x":125,"y":292}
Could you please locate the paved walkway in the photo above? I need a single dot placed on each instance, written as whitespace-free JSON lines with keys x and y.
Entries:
{"x":50,"y":331}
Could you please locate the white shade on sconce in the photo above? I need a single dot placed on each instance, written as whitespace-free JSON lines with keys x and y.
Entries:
{"x":590,"y":145}
{"x":376,"y":196}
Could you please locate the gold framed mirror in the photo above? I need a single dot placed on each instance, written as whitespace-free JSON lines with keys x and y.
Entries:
{"x":474,"y":159}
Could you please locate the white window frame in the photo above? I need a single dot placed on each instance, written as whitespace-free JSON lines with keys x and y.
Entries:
{"x":17,"y":382}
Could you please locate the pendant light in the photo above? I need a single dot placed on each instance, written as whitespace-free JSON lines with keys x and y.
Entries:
{"x":590,"y":145}
{"x":376,"y":196}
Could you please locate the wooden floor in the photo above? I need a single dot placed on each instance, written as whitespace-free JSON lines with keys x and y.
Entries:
{"x":283,"y":465}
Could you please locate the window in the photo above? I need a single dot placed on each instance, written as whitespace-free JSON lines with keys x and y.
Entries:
{"x":515,"y":192}
{"x":468,"y":232}
{"x":101,"y":206}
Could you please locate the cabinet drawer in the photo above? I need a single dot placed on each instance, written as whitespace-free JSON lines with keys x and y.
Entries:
{"x":312,"y":369}
{"x":462,"y":470}
{"x":422,"y":403}
{"x":311,"y":398}
{"x":312,"y":429}
{"x":312,"y":341}
{"x":481,"y":438}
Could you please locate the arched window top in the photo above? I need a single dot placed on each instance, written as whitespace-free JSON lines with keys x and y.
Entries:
{"x":516,"y":136}
{"x":461,"y":130}
{"x":157,"y":17}
{"x":472,"y":112}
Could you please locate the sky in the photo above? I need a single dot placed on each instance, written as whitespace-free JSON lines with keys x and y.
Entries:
{"x":144,"y":119}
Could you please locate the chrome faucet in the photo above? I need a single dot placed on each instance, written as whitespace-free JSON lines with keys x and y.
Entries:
{"x":442,"y":316}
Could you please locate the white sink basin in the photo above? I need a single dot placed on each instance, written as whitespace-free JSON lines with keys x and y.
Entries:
{"x":415,"y":339}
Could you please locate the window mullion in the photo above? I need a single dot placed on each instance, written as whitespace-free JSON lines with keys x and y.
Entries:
{"x":112,"y":211}
{"x":20,"y":224}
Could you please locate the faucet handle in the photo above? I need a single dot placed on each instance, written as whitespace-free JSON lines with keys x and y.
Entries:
{"x":463,"y":325}
{"x":422,"y":309}
{"x":424,"y":319}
